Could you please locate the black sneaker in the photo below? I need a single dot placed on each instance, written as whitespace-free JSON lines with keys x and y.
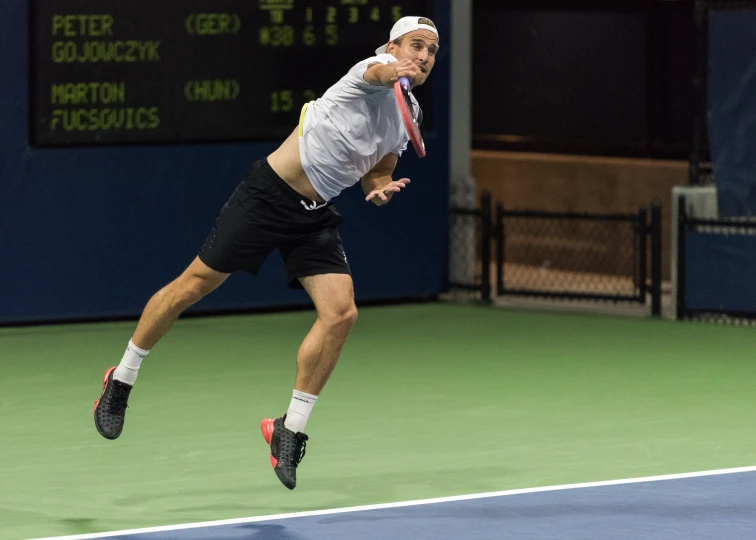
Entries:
{"x":286,"y":449}
{"x":110,"y":409}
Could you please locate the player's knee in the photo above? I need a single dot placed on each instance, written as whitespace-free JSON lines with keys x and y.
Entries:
{"x":191,"y":294}
{"x":187,"y":292}
{"x":350,"y":317}
{"x":342,"y":318}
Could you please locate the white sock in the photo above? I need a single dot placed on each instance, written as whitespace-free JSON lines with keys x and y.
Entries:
{"x":299,"y":411}
{"x":129,"y":366}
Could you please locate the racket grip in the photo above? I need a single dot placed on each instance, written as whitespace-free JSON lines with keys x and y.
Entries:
{"x":404,"y":82}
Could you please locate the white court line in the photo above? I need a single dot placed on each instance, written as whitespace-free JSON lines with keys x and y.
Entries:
{"x":239,"y":521}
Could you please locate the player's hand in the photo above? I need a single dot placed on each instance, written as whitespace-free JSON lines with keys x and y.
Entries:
{"x":403,"y":68}
{"x":381,"y":196}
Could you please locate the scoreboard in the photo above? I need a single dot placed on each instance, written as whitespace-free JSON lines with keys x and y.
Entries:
{"x":143,"y":71}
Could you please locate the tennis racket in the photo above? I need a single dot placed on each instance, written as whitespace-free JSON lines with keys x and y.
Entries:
{"x":401,"y":89}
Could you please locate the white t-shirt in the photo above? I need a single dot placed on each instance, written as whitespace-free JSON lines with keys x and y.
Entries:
{"x":347,"y":131}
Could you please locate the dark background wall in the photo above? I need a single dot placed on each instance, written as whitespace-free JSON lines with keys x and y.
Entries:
{"x":93,"y":232}
{"x":608,"y":78}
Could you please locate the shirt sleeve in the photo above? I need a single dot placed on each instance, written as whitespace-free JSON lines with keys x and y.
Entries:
{"x":358,"y":70}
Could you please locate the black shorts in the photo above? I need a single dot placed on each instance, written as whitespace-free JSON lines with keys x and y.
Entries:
{"x":265,"y":213}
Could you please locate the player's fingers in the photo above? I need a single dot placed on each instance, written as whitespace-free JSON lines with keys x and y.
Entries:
{"x":377,"y":193}
{"x":408,"y":68}
{"x":403,"y":181}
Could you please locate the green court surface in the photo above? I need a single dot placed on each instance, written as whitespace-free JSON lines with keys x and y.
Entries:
{"x":428,"y":400}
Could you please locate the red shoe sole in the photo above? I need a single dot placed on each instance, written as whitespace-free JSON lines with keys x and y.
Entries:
{"x":266,"y":426}
{"x":104,"y":384}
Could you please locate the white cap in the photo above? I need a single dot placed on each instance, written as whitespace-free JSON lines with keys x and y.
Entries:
{"x":405,"y":25}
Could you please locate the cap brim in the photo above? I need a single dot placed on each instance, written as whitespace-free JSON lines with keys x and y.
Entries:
{"x":382,"y":49}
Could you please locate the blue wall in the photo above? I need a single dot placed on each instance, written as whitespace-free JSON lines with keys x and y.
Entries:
{"x":719,"y":270}
{"x":732,"y":108}
{"x":93,"y":232}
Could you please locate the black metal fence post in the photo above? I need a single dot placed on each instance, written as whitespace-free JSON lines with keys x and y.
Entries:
{"x":642,"y":228}
{"x":682,"y":223}
{"x":485,"y":252}
{"x":499,"y":248}
{"x":656,"y":258}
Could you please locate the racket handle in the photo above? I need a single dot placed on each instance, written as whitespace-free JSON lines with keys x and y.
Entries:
{"x":404,"y":82}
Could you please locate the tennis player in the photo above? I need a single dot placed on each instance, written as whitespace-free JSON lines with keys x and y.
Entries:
{"x":353,"y":133}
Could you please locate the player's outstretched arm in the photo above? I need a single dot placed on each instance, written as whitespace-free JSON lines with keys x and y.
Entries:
{"x":378,"y":184}
{"x":388,"y":74}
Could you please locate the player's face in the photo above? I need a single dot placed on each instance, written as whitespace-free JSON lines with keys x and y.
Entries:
{"x":420,"y":47}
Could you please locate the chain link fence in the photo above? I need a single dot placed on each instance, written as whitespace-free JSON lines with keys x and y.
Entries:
{"x":603,"y":257}
{"x":718,"y":296}
{"x":572,"y":255}
{"x":470,"y":233}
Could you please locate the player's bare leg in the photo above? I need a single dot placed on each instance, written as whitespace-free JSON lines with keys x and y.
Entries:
{"x":168,"y":303}
{"x":158,"y":317}
{"x":333,"y":295}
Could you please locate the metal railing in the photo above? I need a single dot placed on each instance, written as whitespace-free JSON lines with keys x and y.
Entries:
{"x":687,"y":224}
{"x":479,"y":220}
{"x":580,"y":256}
{"x":565,"y":255}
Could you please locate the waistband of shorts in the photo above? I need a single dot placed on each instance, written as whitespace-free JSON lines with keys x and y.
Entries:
{"x":268,"y":171}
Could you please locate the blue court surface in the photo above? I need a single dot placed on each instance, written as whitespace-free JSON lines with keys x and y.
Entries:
{"x":706,"y":505}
